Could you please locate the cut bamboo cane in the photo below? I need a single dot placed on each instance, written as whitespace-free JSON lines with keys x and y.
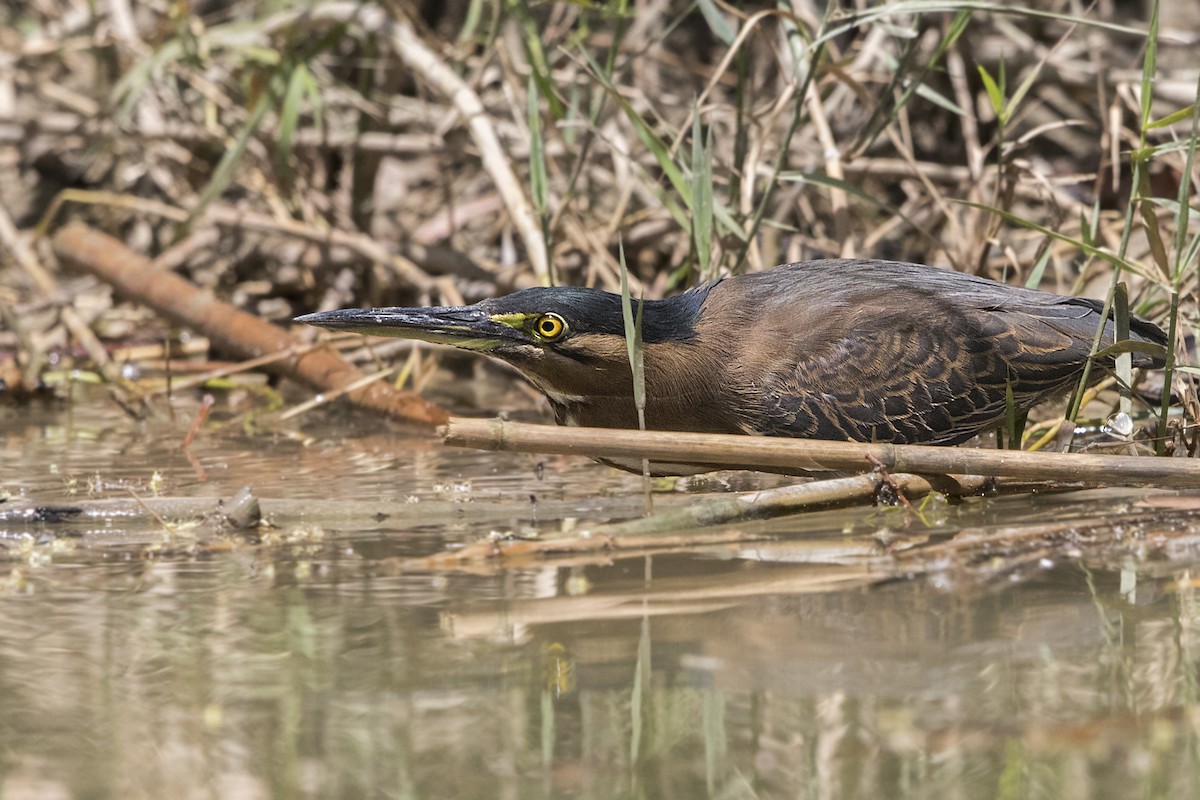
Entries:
{"x":800,"y":455}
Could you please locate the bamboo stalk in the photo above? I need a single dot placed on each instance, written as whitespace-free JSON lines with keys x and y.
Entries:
{"x":797,"y":455}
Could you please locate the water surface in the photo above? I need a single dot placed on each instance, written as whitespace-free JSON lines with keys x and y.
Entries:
{"x":323,"y":662}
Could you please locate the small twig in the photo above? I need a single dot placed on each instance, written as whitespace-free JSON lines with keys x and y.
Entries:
{"x":206,"y":405}
{"x":180,"y":384}
{"x":888,"y":480}
{"x":166,"y":526}
{"x":328,"y":397}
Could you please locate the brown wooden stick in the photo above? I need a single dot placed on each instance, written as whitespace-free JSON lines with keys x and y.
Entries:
{"x":232,"y":330}
{"x":790,"y":455}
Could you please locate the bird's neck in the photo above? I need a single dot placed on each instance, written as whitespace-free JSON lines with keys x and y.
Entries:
{"x":683,"y":393}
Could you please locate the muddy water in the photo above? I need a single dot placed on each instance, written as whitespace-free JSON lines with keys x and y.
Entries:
{"x":137,"y":661}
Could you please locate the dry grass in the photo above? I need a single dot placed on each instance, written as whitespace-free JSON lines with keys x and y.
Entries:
{"x":462,"y":149}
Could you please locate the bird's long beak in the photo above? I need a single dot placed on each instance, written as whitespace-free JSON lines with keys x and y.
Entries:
{"x":468,"y":327}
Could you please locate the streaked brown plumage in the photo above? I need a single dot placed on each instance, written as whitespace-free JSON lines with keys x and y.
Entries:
{"x":835,"y":349}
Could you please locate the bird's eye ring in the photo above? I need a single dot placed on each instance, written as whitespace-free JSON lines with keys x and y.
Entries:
{"x":549,"y":327}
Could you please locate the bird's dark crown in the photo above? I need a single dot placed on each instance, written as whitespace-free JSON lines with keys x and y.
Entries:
{"x":595,"y":311}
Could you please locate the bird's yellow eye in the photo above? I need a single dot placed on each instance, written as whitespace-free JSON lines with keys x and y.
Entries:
{"x":549,"y":326}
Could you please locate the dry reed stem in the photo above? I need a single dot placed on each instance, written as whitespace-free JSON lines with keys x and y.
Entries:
{"x":789,"y":500}
{"x":335,"y":513}
{"x":11,"y":239}
{"x":183,"y":384}
{"x":413,"y":51}
{"x":791,"y":455}
{"x":61,"y":124}
{"x":364,"y":245}
{"x":330,"y":396}
{"x":666,"y":530}
{"x":234,"y":330}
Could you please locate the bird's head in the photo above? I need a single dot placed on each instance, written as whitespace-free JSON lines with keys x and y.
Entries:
{"x":568,"y":341}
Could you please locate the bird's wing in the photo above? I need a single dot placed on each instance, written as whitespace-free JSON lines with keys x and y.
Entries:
{"x":923,"y":368}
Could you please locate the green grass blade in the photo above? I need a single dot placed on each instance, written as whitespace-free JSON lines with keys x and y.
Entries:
{"x":1149,"y":67}
{"x":1164,"y":409}
{"x":537,"y":153}
{"x":538,"y":182}
{"x":1038,"y":272}
{"x":633,"y":340}
{"x":702,"y":194}
{"x":636,"y":348}
{"x":716,"y":21}
{"x":1184,"y":256}
{"x":223,"y":175}
{"x":662,"y":154}
{"x":289,"y":116}
{"x":1172,"y":118}
{"x":1124,"y":361}
{"x":539,"y":68}
{"x":657,"y":147}
{"x":821,"y":179}
{"x":995,"y":96}
{"x":956,"y":28}
{"x":1104,"y":255}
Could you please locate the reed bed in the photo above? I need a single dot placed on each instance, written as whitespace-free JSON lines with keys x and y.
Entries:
{"x":336,"y":154}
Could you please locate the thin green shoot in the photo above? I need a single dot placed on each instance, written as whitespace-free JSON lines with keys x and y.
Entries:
{"x":471,"y":22}
{"x":924,"y":90}
{"x":856,"y":191}
{"x":1164,"y":411}
{"x":222,"y":176}
{"x":1124,"y":361}
{"x":1185,"y":260}
{"x":1108,"y":256}
{"x":912,"y":83}
{"x":741,"y":135}
{"x":300,"y":84}
{"x":635,"y":348}
{"x":662,"y":154}
{"x":716,"y":21}
{"x":595,"y":102}
{"x":814,"y":54}
{"x":1039,"y":270}
{"x":539,"y":67}
{"x":538,"y":182}
{"x":1014,"y":418}
{"x":702,"y":195}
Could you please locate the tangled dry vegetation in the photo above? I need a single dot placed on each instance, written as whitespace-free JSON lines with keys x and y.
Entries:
{"x":344,"y":153}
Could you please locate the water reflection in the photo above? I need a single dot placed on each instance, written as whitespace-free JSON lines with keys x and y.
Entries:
{"x":325,"y":668}
{"x":283,"y":679}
